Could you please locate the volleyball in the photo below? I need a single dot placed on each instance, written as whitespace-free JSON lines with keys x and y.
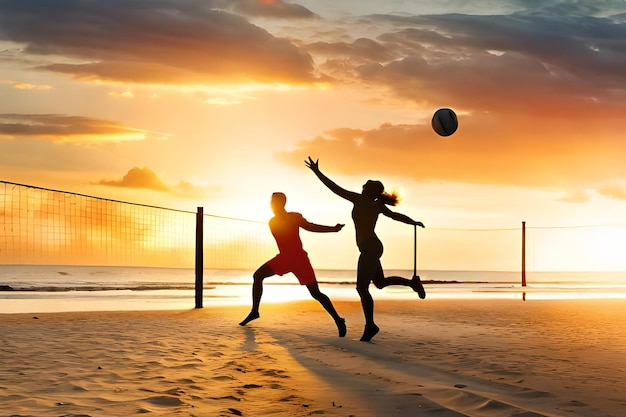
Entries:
{"x":445,"y":122}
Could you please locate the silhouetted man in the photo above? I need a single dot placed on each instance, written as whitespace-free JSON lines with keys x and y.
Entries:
{"x":285,"y":227}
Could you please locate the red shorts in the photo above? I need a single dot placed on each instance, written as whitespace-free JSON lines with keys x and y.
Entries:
{"x":298,"y":264}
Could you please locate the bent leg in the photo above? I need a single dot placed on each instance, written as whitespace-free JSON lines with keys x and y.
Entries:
{"x":392,"y":280}
{"x":328,"y":306}
{"x":380,"y":281}
{"x":260,"y":274}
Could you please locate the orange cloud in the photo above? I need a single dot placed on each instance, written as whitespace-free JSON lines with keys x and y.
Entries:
{"x":147,"y":179}
{"x":487,"y":149}
{"x":613,"y":191}
{"x":138,"y":178}
{"x":28,"y":86}
{"x":65,"y":128}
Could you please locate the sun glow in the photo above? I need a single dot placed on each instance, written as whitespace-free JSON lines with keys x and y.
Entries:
{"x":598,"y":248}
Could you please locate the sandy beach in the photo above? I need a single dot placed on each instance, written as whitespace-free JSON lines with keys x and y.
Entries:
{"x":431,"y":358}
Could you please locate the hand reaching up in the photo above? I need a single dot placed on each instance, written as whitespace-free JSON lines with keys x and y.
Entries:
{"x":313,"y":165}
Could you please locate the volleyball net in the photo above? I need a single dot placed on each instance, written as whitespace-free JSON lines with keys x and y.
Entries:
{"x":40,"y":226}
{"x":537,"y":248}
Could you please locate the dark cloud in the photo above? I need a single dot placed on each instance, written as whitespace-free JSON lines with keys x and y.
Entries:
{"x":276,"y":9}
{"x":360,"y":50}
{"x":501,"y":63}
{"x":58,"y":127}
{"x":159,"y":41}
{"x":583,"y":46}
{"x":568,"y":7}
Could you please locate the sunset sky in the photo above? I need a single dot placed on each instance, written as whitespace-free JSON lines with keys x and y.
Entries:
{"x":217,"y":103}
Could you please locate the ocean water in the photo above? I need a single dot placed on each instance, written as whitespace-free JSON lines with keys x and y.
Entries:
{"x":55,"y":288}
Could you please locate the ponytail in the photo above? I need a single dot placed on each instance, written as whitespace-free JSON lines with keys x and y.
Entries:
{"x":391,"y":199}
{"x":378,"y":189}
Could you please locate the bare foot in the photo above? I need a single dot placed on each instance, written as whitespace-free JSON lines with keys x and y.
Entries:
{"x":252,"y":316}
{"x":417,"y":286}
{"x":341,"y":326}
{"x":369,"y":332}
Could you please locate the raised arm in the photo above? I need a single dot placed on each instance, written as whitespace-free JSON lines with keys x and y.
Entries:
{"x":400,"y":217}
{"x":312,"y":227}
{"x":341,"y":192}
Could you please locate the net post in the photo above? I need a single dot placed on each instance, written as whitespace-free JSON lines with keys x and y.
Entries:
{"x":523,"y":254}
{"x":199,"y":256}
{"x":414,"y":250}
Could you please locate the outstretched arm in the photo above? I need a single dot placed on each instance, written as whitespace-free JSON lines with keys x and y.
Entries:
{"x":341,"y":192}
{"x":400,"y":217}
{"x":312,"y":227}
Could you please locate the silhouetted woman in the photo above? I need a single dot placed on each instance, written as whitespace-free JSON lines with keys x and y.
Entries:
{"x":371,"y":202}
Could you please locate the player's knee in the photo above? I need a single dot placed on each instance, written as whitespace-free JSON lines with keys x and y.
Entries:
{"x":379,"y":283}
{"x":315,"y":292}
{"x":362,"y":288}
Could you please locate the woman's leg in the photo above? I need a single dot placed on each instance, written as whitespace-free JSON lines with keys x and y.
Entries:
{"x":380,"y":281}
{"x":366,"y":265}
{"x":363,"y":278}
{"x":415,"y":283}
{"x":260,"y":274}
{"x":368,"y":269}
